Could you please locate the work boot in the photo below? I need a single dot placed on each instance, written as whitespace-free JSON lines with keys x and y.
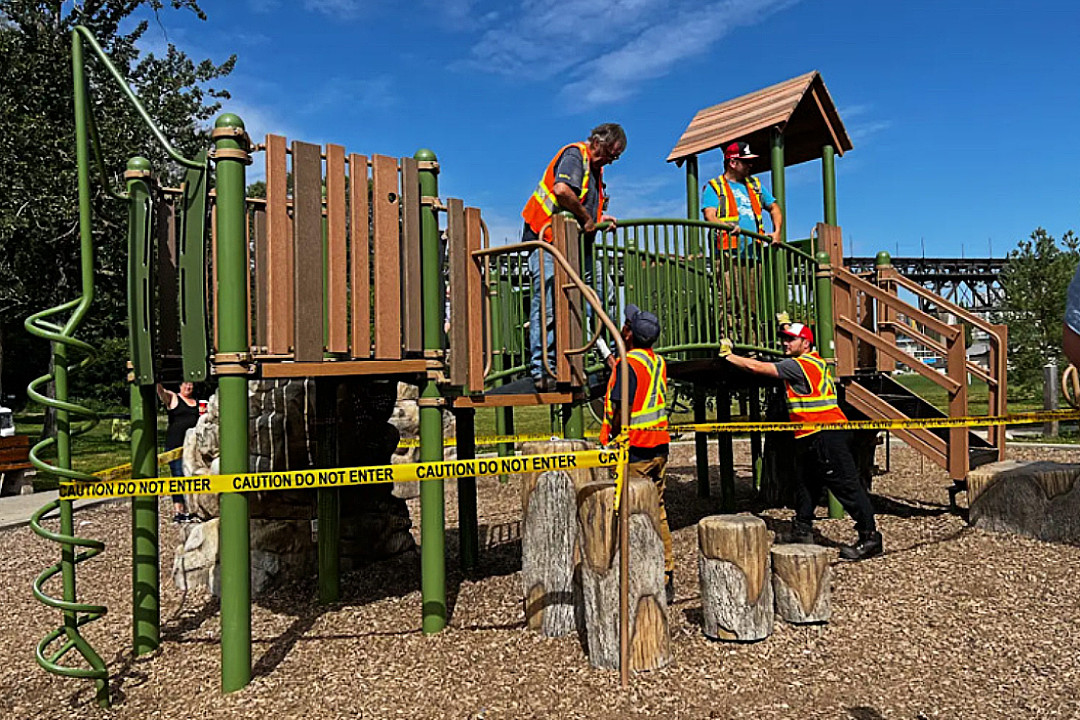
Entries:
{"x":544,"y":384}
{"x":801,"y":534}
{"x":669,"y":587}
{"x":869,"y":545}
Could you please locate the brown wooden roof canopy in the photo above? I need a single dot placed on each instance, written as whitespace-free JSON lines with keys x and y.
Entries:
{"x":801,"y":107}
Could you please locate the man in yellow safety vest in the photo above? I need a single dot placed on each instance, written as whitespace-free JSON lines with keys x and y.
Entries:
{"x":647,"y":434}
{"x":824,"y":456}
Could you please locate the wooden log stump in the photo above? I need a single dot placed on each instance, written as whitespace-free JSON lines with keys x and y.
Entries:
{"x":549,"y":532}
{"x":650,"y":639}
{"x":801,"y":582}
{"x":1039,"y":499}
{"x":733,"y":568}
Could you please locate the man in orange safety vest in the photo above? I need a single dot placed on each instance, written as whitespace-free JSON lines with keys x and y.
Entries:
{"x":573,"y":181}
{"x":824,"y":456}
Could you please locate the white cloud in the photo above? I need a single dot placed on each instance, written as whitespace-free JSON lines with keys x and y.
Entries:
{"x":604,"y":49}
{"x":335,"y":8}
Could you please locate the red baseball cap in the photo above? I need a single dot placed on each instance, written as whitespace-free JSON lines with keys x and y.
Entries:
{"x":739,"y":150}
{"x":798,"y":330}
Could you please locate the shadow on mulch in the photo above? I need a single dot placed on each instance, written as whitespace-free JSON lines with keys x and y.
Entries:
{"x":885,"y":505}
{"x":862,"y":712}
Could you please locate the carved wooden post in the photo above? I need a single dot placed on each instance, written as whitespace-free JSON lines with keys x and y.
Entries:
{"x":650,"y":640}
{"x":549,"y":532}
{"x":733,"y":567}
{"x":801,"y":581}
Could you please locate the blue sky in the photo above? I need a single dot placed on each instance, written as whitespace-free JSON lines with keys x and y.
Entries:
{"x":963,"y":114}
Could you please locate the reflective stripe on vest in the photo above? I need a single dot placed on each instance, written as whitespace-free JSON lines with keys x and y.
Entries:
{"x":543,"y":203}
{"x":648,"y":407}
{"x":731,"y":208}
{"x":820,"y":404}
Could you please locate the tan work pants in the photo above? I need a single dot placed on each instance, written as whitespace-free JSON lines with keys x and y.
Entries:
{"x":656,"y":470}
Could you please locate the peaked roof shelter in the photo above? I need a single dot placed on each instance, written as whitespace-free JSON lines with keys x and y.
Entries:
{"x":800,"y":109}
{"x":796,"y":120}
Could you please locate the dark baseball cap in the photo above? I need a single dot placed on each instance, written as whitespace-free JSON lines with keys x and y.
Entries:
{"x":644,"y":325}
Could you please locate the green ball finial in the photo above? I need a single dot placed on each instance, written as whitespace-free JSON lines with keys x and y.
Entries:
{"x":882,"y":259}
{"x":140,"y":164}
{"x":822,"y":257}
{"x":229,"y":120}
{"x":424,"y":155}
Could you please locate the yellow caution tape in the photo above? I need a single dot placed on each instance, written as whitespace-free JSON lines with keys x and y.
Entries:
{"x":340,"y":477}
{"x":124,"y":471}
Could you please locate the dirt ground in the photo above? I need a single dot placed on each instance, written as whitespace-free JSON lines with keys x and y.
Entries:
{"x":951,"y":622}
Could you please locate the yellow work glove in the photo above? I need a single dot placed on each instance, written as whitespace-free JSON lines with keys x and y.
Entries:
{"x":726,"y":347}
{"x":782,"y":318}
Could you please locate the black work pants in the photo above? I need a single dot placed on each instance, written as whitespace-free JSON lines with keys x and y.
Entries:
{"x":825,"y":460}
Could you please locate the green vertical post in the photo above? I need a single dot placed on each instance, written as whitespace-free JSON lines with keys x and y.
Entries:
{"x":780,"y":278}
{"x":701,"y":443}
{"x":725,"y":451}
{"x":232,"y":323}
{"x":828,"y":182}
{"x":468,"y":525}
{"x":824,"y":335}
{"x":693,"y":212}
{"x":145,"y":572}
{"x":432,"y":501}
{"x":327,"y":499}
{"x":500,"y":303}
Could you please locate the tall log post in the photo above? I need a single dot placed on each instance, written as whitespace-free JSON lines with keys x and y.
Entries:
{"x":733,"y":568}
{"x":549,"y":533}
{"x":801,"y":582}
{"x":650,"y":638}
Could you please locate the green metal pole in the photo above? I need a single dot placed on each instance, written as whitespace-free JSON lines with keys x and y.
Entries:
{"x":468,"y":525}
{"x":828,"y":182}
{"x":826,"y":345}
{"x":701,"y":442}
{"x":693,"y":212}
{"x":432,"y":500}
{"x":780,"y":286}
{"x":504,"y":416}
{"x":328,"y":500}
{"x":145,"y":569}
{"x":232,"y":322}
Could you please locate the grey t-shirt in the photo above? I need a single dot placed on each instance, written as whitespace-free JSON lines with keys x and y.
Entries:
{"x":570,"y":170}
{"x":791,"y":371}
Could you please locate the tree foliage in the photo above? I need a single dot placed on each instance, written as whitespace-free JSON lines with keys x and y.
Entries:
{"x":39,"y":243}
{"x":1036,"y":278}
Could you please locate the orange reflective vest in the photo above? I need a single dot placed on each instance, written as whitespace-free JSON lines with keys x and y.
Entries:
{"x":648,"y":407}
{"x":819,"y":405}
{"x":728,"y":209}
{"x":543,"y":203}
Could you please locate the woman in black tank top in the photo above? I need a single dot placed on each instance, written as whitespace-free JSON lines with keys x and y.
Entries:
{"x":183,"y":411}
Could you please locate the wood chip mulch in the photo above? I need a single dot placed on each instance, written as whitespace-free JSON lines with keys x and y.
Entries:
{"x":952,"y":622}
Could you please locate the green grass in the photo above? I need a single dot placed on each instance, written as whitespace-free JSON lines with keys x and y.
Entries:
{"x":978,"y":403}
{"x":90,"y":452}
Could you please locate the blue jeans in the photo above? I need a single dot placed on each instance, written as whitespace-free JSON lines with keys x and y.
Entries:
{"x":176,"y":469}
{"x":592,"y":277}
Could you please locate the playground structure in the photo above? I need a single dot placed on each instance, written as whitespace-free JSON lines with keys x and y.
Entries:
{"x":343,"y":274}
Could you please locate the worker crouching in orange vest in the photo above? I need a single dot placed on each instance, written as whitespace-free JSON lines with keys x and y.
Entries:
{"x":824,"y":456}
{"x":647,"y":434}
{"x":573,"y":181}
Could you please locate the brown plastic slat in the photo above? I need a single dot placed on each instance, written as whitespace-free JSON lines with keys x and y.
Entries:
{"x":307,"y":260}
{"x":384,"y":198}
{"x":337,"y":340}
{"x":279,"y":253}
{"x":410,"y":256}
{"x":575,"y":305}
{"x":168,"y":290}
{"x":562,"y":314}
{"x":474,"y":282}
{"x":360,"y":255}
{"x":342,"y":368}
{"x":261,"y":299}
{"x":464,"y":339}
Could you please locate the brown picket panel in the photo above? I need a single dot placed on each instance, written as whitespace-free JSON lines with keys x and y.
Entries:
{"x":385,"y":203}
{"x":474,"y":283}
{"x":337,"y":340}
{"x":410,"y":257}
{"x":460,"y":331}
{"x":360,"y":256}
{"x":261,"y":299}
{"x":277,"y":323}
{"x":307,"y":258}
